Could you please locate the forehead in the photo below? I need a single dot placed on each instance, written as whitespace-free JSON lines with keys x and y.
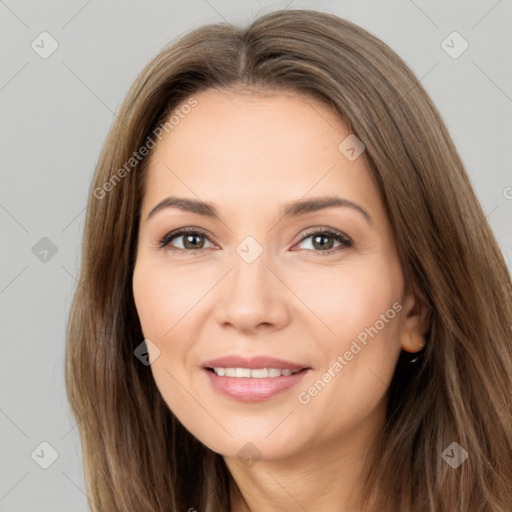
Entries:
{"x":250,"y":146}
{"x":253,"y":120}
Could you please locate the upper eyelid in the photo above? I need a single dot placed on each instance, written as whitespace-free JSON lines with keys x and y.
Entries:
{"x":176,"y":233}
{"x":331,"y":231}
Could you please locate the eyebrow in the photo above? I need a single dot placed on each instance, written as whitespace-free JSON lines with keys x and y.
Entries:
{"x":293,"y":209}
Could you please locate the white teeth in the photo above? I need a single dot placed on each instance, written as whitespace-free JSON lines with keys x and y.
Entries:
{"x":242,"y":372}
{"x":259,"y":373}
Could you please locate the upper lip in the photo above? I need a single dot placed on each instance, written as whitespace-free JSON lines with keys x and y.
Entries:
{"x":254,"y":362}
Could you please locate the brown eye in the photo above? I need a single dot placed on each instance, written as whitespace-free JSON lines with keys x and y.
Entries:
{"x":319,"y":242}
{"x":323,"y":241}
{"x":193,"y":241}
{"x":190,"y":240}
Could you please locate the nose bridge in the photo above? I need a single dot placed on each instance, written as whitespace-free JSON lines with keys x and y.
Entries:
{"x":251,"y":295}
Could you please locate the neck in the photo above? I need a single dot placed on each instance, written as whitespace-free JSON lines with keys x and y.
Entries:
{"x":324,"y":477}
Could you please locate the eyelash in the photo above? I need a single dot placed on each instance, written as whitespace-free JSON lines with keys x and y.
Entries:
{"x":344,"y":240}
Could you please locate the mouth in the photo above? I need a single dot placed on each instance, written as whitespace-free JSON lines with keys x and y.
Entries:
{"x":253,"y":379}
{"x":254,"y":373}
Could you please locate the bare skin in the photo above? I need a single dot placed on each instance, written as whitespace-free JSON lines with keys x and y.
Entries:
{"x":249,"y":155}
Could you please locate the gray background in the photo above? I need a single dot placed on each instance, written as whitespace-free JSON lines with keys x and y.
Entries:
{"x":55,"y":114}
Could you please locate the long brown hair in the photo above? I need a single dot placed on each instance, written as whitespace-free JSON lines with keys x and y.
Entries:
{"x":137,"y":456}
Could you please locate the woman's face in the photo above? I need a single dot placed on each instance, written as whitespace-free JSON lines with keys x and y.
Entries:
{"x":250,"y":284}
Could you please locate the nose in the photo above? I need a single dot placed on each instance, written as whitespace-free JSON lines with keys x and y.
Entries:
{"x":253,"y":297}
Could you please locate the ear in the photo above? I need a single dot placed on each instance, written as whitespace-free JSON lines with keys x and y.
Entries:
{"x":415,"y":324}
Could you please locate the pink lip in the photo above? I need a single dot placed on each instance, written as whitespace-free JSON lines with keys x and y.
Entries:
{"x":253,"y":390}
{"x":249,"y":389}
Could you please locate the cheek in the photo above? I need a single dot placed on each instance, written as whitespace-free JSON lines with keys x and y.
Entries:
{"x":362,"y":307}
{"x":163,"y":297}
{"x":348,"y":299}
{"x":160,"y":303}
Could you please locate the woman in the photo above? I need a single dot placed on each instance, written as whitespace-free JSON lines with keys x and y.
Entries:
{"x":290,"y":296}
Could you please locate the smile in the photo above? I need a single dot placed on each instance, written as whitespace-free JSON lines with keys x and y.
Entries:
{"x":256,"y":373}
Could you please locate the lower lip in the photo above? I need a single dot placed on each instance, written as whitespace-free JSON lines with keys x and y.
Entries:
{"x":247,"y":389}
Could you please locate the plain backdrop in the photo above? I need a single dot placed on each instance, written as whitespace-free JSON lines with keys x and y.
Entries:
{"x":55,"y":114}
